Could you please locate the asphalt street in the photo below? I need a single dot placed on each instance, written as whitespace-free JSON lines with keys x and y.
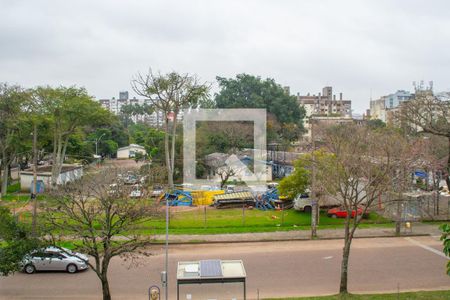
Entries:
{"x":274,"y":269}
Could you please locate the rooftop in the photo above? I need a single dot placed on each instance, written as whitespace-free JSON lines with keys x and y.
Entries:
{"x":210,"y":269}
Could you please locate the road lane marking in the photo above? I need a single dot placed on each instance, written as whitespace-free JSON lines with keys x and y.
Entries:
{"x":327,"y":257}
{"x":427,"y":247}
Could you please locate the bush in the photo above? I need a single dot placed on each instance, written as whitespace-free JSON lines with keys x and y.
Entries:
{"x":13,"y":188}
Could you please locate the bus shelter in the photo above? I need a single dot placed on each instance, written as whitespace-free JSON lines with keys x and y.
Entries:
{"x":211,"y":279}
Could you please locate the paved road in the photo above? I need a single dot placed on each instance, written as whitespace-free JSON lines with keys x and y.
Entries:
{"x":275,"y":268}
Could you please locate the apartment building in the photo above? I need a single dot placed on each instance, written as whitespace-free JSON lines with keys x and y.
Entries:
{"x":156,"y":119}
{"x":324,"y":105}
{"x":379,"y":108}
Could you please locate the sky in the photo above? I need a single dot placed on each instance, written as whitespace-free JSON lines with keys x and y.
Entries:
{"x":363,"y":48}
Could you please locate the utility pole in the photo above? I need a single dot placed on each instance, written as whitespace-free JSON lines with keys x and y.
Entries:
{"x":35,"y":185}
{"x":165,"y":277}
{"x":314,"y":206}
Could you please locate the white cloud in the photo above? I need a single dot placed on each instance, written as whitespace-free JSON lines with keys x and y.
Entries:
{"x":356,"y":46}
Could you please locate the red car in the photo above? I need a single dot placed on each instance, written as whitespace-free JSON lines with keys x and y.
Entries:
{"x":340,"y":212}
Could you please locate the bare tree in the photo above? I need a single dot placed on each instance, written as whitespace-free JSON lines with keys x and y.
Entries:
{"x":426,"y":113}
{"x":99,"y":212}
{"x":225,"y":172}
{"x":169,"y":94}
{"x":357,"y":166}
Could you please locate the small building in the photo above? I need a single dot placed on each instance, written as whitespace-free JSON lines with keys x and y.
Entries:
{"x":130,"y":151}
{"x":68,"y":173}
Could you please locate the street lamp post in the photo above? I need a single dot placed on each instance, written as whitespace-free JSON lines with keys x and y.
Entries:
{"x":166,"y":294}
{"x":314,"y":202}
{"x":96,"y":143}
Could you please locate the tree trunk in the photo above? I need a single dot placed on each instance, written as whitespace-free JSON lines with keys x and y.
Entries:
{"x":344,"y":266}
{"x":63,"y":154}
{"x":57,"y":149}
{"x":447,"y":179}
{"x":35,"y":184}
{"x":5,"y":176}
{"x":105,"y":288}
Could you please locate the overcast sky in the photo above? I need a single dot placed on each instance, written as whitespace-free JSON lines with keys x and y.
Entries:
{"x":358,"y":47}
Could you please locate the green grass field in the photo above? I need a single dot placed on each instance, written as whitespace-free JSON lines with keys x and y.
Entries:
{"x":433,"y":295}
{"x":220,"y":221}
{"x":233,"y":221}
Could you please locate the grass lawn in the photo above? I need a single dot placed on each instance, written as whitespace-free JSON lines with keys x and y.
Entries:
{"x":17,"y":201}
{"x":13,"y":188}
{"x":233,"y":221}
{"x":221,"y":221}
{"x":433,"y":295}
{"x":16,"y":198}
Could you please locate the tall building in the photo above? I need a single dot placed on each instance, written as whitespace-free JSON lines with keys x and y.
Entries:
{"x":380,"y":107}
{"x":115,"y":105}
{"x":324,"y":105}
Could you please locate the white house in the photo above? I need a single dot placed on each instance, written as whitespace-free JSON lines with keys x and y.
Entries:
{"x":130,"y":151}
{"x":44,"y":174}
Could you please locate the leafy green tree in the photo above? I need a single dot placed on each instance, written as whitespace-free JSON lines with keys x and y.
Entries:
{"x":152,"y":139}
{"x":138,"y":156}
{"x":118,"y":133}
{"x":298,"y":181}
{"x":17,"y":241}
{"x":126,"y":113}
{"x":445,"y":238}
{"x":69,"y":109}
{"x":13,"y":101}
{"x":248,"y":91}
{"x":169,"y":94}
{"x":223,"y":137}
{"x":375,"y":124}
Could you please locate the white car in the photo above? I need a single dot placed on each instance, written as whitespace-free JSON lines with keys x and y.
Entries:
{"x":54,"y":259}
{"x":157,"y":191}
{"x":136,"y":191}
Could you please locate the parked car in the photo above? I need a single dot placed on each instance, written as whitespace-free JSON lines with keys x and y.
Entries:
{"x":54,"y":259}
{"x":303,"y":202}
{"x":230,"y":189}
{"x":136,"y":191}
{"x":341,"y":212}
{"x":130,"y":179}
{"x":157,"y":191}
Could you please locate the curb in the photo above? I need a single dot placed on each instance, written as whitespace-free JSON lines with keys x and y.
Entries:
{"x":204,"y":242}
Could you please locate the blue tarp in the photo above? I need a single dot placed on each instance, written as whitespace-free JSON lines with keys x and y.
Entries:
{"x":421,"y":174}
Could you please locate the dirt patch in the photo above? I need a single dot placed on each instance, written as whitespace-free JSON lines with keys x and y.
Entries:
{"x":123,"y":163}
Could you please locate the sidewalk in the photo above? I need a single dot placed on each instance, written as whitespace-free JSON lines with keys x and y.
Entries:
{"x":417,"y":229}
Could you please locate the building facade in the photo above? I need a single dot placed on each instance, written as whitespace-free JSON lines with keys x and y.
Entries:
{"x":379,"y":108}
{"x":156,"y":119}
{"x":324,"y":105}
{"x":68,"y":174}
{"x":130,"y":151}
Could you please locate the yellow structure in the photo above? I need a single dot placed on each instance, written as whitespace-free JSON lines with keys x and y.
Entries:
{"x":205,"y":197}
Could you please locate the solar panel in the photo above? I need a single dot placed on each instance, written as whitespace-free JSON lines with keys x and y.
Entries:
{"x":211,"y":268}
